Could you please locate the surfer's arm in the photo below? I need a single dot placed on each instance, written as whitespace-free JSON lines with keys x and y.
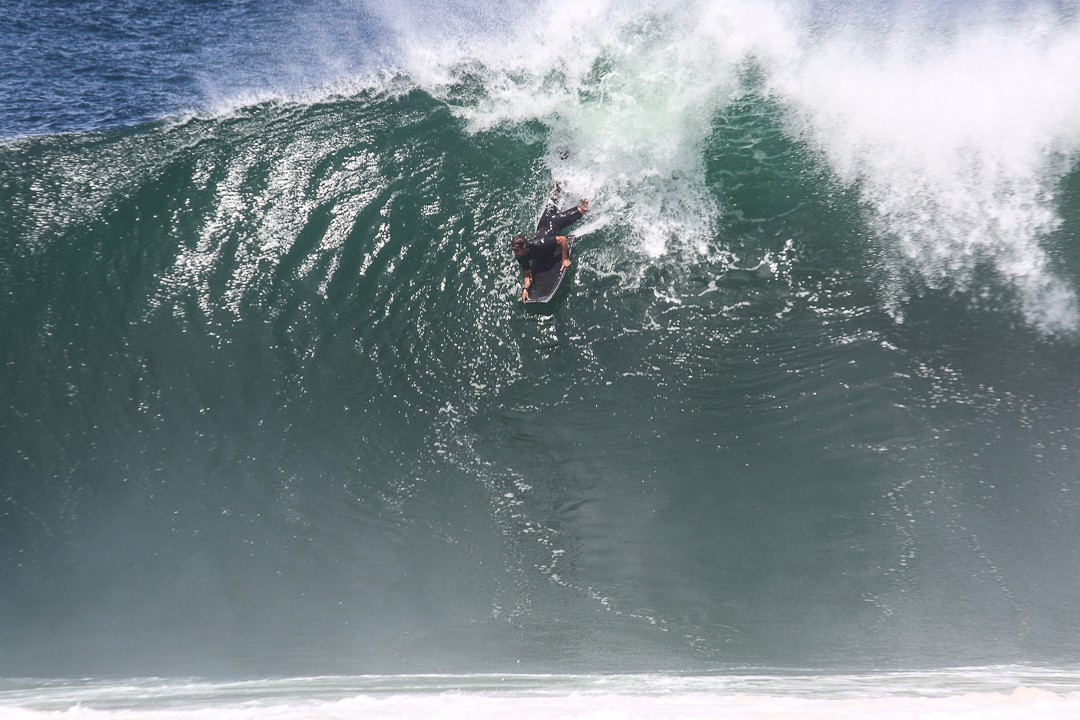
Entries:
{"x":527,"y":282}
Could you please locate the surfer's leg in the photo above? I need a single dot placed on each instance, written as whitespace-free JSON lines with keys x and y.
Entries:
{"x":545,"y":224}
{"x":564,"y":219}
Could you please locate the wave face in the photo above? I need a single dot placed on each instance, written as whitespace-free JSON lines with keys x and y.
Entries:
{"x":270,"y":404}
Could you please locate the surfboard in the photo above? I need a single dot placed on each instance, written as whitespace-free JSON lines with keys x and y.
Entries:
{"x":547,"y":277}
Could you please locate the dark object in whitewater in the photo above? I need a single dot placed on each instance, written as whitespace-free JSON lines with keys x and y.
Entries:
{"x":548,"y":275}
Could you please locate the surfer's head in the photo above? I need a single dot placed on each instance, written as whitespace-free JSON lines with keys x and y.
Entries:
{"x":519,"y":245}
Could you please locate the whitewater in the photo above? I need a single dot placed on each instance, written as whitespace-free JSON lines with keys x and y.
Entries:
{"x":797,"y":438}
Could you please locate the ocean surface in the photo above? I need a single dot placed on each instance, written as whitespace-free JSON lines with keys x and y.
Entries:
{"x":799,"y":436}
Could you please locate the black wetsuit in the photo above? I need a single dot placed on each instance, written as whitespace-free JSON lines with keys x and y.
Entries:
{"x":543,"y":247}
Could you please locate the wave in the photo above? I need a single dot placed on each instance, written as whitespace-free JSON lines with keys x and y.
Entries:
{"x":799,"y":402}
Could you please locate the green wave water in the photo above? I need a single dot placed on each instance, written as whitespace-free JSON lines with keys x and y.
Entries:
{"x":270,"y":404}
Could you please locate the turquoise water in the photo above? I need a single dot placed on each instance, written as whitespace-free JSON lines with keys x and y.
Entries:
{"x":270,"y":405}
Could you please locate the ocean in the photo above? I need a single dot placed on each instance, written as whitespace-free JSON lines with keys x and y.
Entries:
{"x":798,"y":437}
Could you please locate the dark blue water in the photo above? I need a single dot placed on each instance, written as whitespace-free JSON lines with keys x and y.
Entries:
{"x":269,"y":404}
{"x":87,"y":65}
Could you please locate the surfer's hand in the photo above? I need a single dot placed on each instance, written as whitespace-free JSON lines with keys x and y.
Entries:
{"x":566,"y":263}
{"x":524,"y":294}
{"x":583,"y":206}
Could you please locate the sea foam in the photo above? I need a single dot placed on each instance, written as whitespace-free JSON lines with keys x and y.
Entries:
{"x":901,"y":696}
{"x":956,"y":138}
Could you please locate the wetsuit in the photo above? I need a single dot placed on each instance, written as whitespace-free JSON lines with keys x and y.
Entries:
{"x":543,"y":247}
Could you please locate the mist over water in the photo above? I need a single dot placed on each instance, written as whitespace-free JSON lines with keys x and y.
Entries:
{"x":807,"y":398}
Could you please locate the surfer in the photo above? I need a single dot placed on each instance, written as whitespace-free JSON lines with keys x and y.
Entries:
{"x":546,"y":240}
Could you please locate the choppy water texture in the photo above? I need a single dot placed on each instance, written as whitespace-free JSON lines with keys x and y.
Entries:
{"x":269,"y":403}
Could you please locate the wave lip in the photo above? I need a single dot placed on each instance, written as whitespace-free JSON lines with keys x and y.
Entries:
{"x":957,"y":140}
